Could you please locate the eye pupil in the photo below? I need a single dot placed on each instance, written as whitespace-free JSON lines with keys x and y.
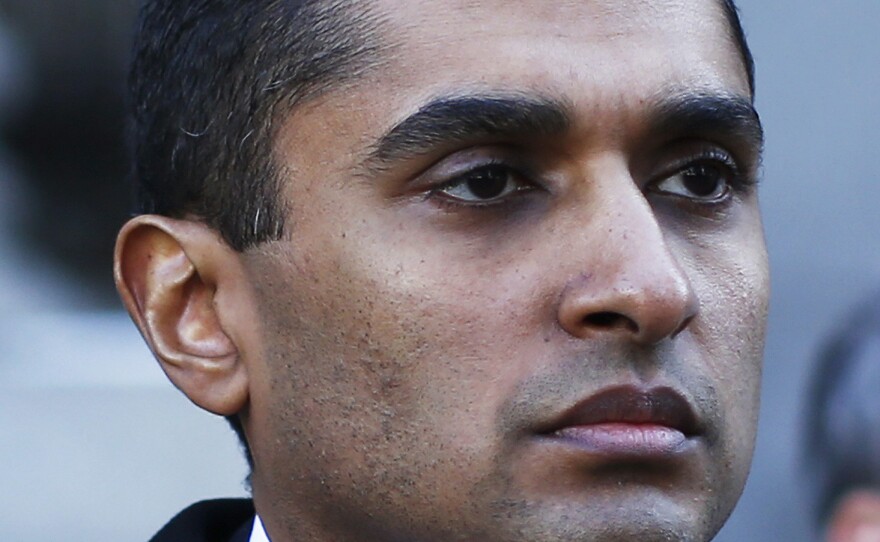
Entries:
{"x":703,"y":179}
{"x":489,"y":182}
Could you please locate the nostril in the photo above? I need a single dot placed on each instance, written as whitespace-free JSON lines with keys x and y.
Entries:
{"x":601,"y":319}
{"x":609,"y":320}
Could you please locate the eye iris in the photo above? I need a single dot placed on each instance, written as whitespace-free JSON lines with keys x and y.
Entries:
{"x":703,"y":180}
{"x":488,"y":183}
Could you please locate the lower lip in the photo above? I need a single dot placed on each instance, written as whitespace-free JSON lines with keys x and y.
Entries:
{"x":624,"y":440}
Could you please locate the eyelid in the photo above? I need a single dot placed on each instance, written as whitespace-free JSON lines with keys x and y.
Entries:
{"x":711,"y":154}
{"x":443,"y":191}
{"x":451,"y":168}
{"x":738,"y":180}
{"x":705,"y":154}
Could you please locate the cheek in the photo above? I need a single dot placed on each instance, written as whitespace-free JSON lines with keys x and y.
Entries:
{"x":387,"y":361}
{"x":732,"y":282}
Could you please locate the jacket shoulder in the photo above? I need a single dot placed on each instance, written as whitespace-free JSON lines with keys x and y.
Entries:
{"x":219,"y":520}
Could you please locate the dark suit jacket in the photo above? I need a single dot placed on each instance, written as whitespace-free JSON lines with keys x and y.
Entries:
{"x":222,"y":520}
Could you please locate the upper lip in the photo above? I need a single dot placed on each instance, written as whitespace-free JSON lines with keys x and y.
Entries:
{"x":631,"y":405}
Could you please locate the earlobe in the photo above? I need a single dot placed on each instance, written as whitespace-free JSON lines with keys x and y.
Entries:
{"x":170,"y":274}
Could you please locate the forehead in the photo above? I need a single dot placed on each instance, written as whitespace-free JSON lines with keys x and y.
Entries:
{"x":608,"y":59}
{"x":607,"y":43}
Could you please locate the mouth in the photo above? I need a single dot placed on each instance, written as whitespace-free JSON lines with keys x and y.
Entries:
{"x":628,"y":422}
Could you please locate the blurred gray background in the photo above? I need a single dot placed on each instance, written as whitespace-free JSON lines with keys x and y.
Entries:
{"x":96,"y":445}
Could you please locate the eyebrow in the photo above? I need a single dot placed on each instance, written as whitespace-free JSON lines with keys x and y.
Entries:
{"x":708,"y":114}
{"x":454,"y":120}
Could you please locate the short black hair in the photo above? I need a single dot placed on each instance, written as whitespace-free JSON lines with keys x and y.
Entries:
{"x":210,"y":78}
{"x":206,"y":80}
{"x":842,"y":448}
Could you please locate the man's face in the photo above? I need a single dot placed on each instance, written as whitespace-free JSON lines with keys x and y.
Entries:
{"x":524,"y":288}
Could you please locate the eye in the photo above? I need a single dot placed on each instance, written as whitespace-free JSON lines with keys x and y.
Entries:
{"x":703,"y":181}
{"x":484,"y":185}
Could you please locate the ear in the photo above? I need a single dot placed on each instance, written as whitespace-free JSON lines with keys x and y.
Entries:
{"x":856,"y":518}
{"x":186,"y":290}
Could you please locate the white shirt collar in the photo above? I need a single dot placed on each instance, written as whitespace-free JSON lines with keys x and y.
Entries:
{"x":258,"y":533}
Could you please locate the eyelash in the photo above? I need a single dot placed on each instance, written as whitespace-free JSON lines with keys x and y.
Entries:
{"x":450,"y":203}
{"x":715,"y":156}
{"x":738,"y":182}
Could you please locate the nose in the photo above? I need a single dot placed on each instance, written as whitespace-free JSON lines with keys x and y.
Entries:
{"x":631,"y":285}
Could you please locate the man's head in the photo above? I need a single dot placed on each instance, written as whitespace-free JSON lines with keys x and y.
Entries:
{"x":462,"y":270}
{"x":843,"y":429}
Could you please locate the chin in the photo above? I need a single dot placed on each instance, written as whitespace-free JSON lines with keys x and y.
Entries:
{"x":635,"y":519}
{"x":642,"y":529}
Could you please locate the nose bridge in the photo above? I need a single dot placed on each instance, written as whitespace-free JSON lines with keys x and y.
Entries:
{"x":646,"y":262}
{"x":636,"y":285}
